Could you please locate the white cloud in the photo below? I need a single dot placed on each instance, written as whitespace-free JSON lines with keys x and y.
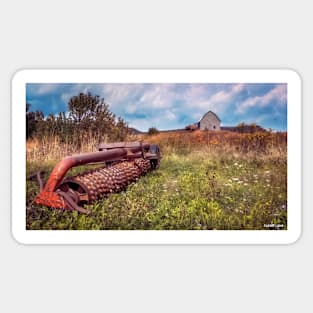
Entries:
{"x":116,"y":94}
{"x":47,"y":88}
{"x":224,"y":96}
{"x":201,"y":98}
{"x":277,"y":94}
{"x":169,"y":115}
{"x":159,"y":96}
{"x":130,"y":108}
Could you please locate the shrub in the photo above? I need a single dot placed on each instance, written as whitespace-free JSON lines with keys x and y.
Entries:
{"x":153,"y":131}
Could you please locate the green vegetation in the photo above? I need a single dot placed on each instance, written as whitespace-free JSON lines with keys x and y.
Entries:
{"x":88,"y":118}
{"x":153,"y":131}
{"x":197,"y":188}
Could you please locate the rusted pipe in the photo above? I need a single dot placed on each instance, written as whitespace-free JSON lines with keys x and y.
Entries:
{"x":62,"y":167}
{"x":132,"y":146}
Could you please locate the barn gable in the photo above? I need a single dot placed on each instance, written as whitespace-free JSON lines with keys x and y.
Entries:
{"x":210,"y":121}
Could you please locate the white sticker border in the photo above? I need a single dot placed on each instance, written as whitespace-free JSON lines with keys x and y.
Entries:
{"x":21,"y":235}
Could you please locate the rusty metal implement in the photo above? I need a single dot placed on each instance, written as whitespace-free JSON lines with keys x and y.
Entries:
{"x":122,"y":163}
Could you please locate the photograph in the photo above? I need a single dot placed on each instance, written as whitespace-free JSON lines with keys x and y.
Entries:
{"x":156,"y":156}
{"x":205,"y":158}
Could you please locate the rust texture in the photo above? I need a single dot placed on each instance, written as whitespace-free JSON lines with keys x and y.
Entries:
{"x":123,"y":163}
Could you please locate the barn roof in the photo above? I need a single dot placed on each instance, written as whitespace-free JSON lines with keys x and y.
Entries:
{"x":208,"y":113}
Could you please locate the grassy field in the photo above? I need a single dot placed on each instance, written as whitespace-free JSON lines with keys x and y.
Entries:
{"x":205,"y":181}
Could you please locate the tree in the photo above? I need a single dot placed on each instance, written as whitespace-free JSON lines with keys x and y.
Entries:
{"x":88,"y":118}
{"x":153,"y":131}
{"x":91,"y":116}
{"x":32,"y":119}
{"x":241,"y":127}
{"x":86,"y":107}
{"x":253,"y":128}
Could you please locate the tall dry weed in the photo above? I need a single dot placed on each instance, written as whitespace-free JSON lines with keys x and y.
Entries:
{"x":223,"y":144}
{"x":53,"y":149}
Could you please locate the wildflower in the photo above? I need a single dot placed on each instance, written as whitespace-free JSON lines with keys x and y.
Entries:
{"x":245,"y":184}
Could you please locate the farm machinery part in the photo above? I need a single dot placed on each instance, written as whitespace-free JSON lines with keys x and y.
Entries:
{"x":122,"y":163}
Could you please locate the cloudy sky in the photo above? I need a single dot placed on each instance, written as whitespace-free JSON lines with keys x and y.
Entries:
{"x":171,"y":106}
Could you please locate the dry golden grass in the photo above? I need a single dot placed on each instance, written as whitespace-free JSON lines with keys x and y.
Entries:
{"x":222,"y":143}
{"x":52,"y":149}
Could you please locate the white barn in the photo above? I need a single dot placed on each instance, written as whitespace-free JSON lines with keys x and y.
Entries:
{"x":210,"y":121}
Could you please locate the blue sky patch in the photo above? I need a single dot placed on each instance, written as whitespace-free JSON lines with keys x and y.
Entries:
{"x":171,"y":106}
